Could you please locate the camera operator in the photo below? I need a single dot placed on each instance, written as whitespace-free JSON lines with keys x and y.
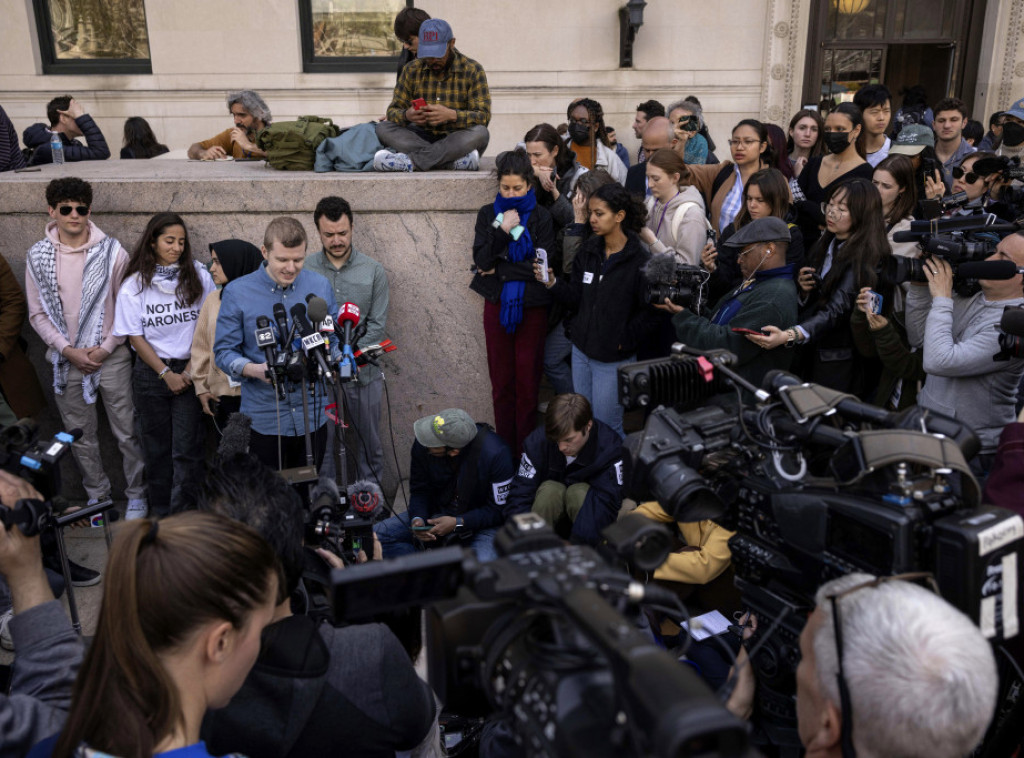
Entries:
{"x":887,"y":668}
{"x":315,"y":689}
{"x":278,"y":426}
{"x":767,"y":295}
{"x":959,"y":338}
{"x":459,"y":480}
{"x":571,"y":471}
{"x":978,"y":187}
{"x":48,"y":650}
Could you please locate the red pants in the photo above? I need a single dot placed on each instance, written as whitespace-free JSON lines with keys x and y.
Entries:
{"x":515,"y":362}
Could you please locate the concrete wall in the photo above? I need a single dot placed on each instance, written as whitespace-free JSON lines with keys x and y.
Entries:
{"x":420,"y":227}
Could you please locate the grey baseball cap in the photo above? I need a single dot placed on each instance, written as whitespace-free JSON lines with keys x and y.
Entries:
{"x":1017,"y":110}
{"x":450,"y":428}
{"x":768,"y":229}
{"x":435,"y":34}
{"x":912,"y":139}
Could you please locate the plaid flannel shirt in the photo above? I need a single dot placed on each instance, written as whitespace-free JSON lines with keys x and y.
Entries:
{"x":462,"y":87}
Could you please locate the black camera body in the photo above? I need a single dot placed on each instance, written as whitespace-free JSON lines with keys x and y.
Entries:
{"x":668,"y":278}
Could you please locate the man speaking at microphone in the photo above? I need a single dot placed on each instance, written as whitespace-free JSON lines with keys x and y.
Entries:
{"x":959,"y":337}
{"x":359,"y":279}
{"x":282,"y":282}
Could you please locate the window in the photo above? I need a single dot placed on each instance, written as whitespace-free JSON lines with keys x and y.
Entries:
{"x":349,"y":35}
{"x":93,"y":36}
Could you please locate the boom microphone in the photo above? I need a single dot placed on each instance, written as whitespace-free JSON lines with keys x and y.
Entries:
{"x":986,"y":270}
{"x":235,"y":438}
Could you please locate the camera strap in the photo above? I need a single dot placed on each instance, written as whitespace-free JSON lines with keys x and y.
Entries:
{"x":808,"y":401}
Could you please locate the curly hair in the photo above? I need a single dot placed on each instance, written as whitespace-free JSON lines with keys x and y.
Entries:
{"x":596,"y":115}
{"x":253,"y":103}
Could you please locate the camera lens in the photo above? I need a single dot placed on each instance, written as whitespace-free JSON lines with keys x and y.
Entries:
{"x":683,"y":493}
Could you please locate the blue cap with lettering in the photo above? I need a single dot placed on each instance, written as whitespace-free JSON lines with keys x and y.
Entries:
{"x":435,"y":34}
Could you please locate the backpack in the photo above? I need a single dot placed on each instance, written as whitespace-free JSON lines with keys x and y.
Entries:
{"x":291,"y":145}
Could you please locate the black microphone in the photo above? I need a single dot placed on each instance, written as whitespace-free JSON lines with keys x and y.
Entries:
{"x":235,"y":438}
{"x":312,"y":340}
{"x":318,"y":311}
{"x":1012,"y":321}
{"x":325,"y":495}
{"x":282,"y":325}
{"x":265,"y":338}
{"x":987,"y":270}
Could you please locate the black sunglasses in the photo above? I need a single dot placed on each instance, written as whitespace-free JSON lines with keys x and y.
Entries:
{"x":927,"y":579}
{"x":82,"y":210}
{"x":969,"y":176}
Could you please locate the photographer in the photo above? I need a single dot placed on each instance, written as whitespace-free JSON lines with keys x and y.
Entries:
{"x":49,"y":651}
{"x":315,"y":690}
{"x":766,"y":295}
{"x":887,"y":668}
{"x":572,"y":470}
{"x":959,"y":338}
{"x":459,"y":480}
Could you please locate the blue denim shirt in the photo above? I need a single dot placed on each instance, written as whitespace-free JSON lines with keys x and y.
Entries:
{"x":245,"y":300}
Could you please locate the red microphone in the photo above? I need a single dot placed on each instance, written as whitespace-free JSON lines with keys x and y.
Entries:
{"x":348,"y":319}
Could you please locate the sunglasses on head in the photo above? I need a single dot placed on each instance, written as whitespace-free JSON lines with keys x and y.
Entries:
{"x":82,"y":210}
{"x":968,"y":176}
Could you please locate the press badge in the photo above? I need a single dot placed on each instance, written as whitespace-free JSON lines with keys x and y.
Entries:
{"x":588,"y":277}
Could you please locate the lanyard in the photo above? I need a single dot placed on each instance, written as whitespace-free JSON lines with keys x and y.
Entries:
{"x":664,"y":210}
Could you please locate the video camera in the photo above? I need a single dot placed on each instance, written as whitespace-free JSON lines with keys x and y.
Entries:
{"x":342,"y":525}
{"x":546,"y":637}
{"x":668,"y":278}
{"x":23,"y":454}
{"x":1011,"y":334}
{"x":817,"y":484}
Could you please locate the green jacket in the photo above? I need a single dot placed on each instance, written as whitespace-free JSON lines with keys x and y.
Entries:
{"x":770,"y":300}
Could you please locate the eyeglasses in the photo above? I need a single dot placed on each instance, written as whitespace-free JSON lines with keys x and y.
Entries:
{"x":744,"y":142}
{"x":845,"y":702}
{"x":968,"y":176}
{"x":748,"y":249}
{"x":834,"y":210}
{"x":81,"y":210}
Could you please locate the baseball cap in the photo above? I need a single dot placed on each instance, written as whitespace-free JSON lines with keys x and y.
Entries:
{"x":450,"y":428}
{"x":912,"y":139}
{"x":767,"y":229}
{"x":435,"y":34}
{"x":1017,"y":109}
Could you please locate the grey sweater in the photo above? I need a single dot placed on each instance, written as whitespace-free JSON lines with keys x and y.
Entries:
{"x":959,"y":338}
{"x":49,"y":654}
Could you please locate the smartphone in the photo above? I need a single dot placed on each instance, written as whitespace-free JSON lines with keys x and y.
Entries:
{"x":418,"y":103}
{"x":424,"y":528}
{"x":542,"y":256}
{"x":712,"y":237}
{"x":875,"y":302}
{"x":758,"y":332}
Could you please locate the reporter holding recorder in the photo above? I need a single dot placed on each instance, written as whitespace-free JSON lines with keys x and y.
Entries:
{"x":278,"y":426}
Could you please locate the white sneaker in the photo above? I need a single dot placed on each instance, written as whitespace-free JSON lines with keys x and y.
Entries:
{"x":137,"y":508}
{"x":386,"y":160}
{"x":5,"y":630}
{"x":470,"y":162}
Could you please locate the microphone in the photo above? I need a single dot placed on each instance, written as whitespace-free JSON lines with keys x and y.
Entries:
{"x":348,"y":319}
{"x":312,"y":341}
{"x":661,"y":268}
{"x":235,"y":439}
{"x":370,"y":353}
{"x":325,"y":495}
{"x":365,"y":498}
{"x":987,"y":270}
{"x":282,"y":325}
{"x":265,"y":338}
{"x":1012,"y":321}
{"x":317,"y":309}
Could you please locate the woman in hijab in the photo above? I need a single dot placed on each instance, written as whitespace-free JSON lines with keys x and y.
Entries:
{"x":220,"y":397}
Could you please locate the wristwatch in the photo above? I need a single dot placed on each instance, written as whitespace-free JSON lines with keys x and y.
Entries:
{"x":458,"y":523}
{"x":794,"y":337}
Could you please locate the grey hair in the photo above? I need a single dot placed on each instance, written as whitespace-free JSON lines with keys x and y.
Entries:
{"x":921,"y":675}
{"x":689,"y":107}
{"x":253,"y":103}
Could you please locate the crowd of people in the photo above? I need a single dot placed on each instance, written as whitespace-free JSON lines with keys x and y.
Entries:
{"x":795,"y":242}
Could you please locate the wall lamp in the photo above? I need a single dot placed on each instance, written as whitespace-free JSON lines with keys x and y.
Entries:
{"x":631,"y":18}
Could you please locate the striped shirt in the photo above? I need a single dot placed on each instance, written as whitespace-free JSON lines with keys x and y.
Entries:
{"x":462,"y":86}
{"x":10,"y":149}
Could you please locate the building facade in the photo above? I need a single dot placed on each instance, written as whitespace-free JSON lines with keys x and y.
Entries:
{"x":172,"y":61}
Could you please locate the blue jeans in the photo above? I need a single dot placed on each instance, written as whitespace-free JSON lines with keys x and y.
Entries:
{"x":599,"y":383}
{"x":557,"y":350}
{"x":171,"y":435}
{"x":396,"y":538}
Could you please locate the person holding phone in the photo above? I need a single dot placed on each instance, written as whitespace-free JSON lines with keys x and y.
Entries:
{"x":510,"y":233}
{"x":767,"y":294}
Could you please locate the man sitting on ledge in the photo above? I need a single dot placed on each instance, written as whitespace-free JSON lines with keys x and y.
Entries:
{"x":68,"y":119}
{"x":250,"y":114}
{"x":440,"y":109}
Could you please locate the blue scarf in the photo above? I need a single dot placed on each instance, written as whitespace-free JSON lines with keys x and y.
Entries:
{"x":518,"y":250}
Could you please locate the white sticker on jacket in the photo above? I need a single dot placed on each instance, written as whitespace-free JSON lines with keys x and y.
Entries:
{"x":588,"y":277}
{"x":619,"y":472}
{"x":500,"y":490}
{"x":526,"y":468}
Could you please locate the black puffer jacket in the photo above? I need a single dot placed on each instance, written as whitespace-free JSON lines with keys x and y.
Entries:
{"x":608,"y":297}
{"x":37,"y":137}
{"x":490,"y":252}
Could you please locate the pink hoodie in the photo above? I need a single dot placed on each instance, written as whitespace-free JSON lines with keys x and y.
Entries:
{"x":70,"y":266}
